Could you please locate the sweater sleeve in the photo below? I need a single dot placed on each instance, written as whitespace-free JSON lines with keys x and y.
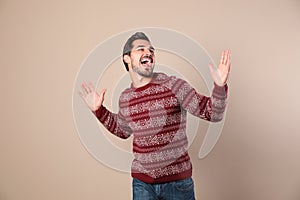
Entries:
{"x":210,"y":108}
{"x":114,"y":123}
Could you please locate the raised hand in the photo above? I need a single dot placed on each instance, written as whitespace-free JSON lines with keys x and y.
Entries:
{"x":220,"y":75}
{"x":91,"y":97}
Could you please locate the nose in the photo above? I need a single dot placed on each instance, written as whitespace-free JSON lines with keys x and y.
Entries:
{"x":148,"y":52}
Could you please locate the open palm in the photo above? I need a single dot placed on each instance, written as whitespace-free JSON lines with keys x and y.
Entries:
{"x":91,"y":97}
{"x":220,"y":75}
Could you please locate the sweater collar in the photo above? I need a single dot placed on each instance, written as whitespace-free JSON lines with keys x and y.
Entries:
{"x":156,"y":79}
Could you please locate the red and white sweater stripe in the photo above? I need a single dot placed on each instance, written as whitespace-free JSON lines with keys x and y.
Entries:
{"x":156,"y":116}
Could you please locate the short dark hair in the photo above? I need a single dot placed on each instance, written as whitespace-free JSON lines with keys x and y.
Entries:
{"x":128,"y":45}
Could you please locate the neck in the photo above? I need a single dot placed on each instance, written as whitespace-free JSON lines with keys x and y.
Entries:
{"x":138,"y":80}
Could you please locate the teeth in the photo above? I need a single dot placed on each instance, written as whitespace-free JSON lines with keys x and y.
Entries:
{"x":145,"y":60}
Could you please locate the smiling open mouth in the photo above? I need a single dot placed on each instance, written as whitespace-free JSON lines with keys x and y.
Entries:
{"x":146,"y":60}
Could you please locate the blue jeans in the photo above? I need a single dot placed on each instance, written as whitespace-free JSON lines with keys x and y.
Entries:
{"x":175,"y":190}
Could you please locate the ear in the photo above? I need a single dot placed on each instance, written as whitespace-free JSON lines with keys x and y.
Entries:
{"x":127,"y":59}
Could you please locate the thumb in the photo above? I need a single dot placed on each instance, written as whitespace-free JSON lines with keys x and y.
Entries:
{"x":102,"y":94}
{"x":99,"y":99}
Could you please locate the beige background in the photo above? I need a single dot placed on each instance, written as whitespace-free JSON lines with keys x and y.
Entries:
{"x":43,"y":44}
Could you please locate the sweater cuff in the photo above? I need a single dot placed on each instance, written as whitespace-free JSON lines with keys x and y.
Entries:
{"x":220,"y":90}
{"x":99,"y":111}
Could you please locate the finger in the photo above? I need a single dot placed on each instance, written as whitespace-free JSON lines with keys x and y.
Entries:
{"x":88,"y":87}
{"x":222,"y":57}
{"x":91,"y":86}
{"x":81,"y":94}
{"x":227,"y":54}
{"x":85,"y":88}
{"x":228,"y":62}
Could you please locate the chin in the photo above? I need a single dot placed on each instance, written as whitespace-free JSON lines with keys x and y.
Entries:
{"x":146,"y":75}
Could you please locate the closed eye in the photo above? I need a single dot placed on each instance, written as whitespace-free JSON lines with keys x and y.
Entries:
{"x":140,"y":49}
{"x":143,"y":48}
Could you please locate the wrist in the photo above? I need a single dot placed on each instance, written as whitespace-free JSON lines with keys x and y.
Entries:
{"x":220,"y":84}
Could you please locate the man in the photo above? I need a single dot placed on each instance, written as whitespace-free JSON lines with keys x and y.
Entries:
{"x":154,"y":109}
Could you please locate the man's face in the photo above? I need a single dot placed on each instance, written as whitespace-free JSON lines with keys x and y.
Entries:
{"x":142,"y":58}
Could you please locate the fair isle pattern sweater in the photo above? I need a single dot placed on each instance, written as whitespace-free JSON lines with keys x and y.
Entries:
{"x":156,"y":116}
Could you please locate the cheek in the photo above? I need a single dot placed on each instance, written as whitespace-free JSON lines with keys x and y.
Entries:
{"x":136,"y":59}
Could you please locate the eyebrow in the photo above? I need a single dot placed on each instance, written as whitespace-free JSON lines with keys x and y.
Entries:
{"x":141,"y":45}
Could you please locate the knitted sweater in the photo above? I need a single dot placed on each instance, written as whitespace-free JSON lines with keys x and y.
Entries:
{"x":156,"y":116}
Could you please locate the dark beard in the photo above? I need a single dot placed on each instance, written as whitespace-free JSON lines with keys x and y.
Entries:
{"x":145,"y":73}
